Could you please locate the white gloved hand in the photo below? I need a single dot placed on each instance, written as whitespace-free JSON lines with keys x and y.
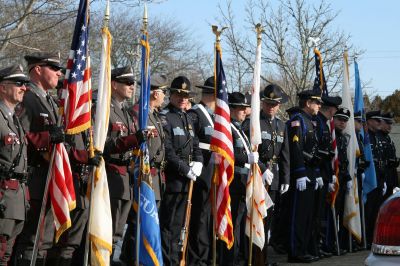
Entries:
{"x":252,"y":157}
{"x":384,"y":189}
{"x":331,"y":187}
{"x":320,"y":182}
{"x":396,"y":189}
{"x":191,"y":175}
{"x":349,"y":185}
{"x":334,"y":178}
{"x":197,"y":167}
{"x":284,"y":188}
{"x":301,"y":183}
{"x":362,"y":177}
{"x":267,"y":177}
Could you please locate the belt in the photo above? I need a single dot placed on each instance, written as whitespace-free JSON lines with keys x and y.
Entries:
{"x":118,"y":162}
{"x":204,"y":146}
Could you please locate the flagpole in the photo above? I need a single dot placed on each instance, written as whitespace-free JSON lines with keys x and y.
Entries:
{"x":259,"y":31}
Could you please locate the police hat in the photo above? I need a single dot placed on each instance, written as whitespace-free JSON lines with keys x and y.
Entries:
{"x":388,"y":117}
{"x":43,"y":59}
{"x":13,"y":72}
{"x":208,"y":86}
{"x":331,"y":101}
{"x":342,"y":113}
{"x":158,"y":82}
{"x":273,"y":94}
{"x":180,"y":84}
{"x":310,"y":95}
{"x":123,"y":75}
{"x":374,"y":115}
{"x":358,"y":116}
{"x":237,"y":99}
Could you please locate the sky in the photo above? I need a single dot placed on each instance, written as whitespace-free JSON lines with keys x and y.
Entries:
{"x":373,"y":26}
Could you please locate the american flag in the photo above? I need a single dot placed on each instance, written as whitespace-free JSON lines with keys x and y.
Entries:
{"x":221,"y":144}
{"x":76,"y":96}
{"x":319,"y":82}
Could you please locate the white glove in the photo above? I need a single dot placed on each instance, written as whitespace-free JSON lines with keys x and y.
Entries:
{"x":252,"y":157}
{"x":362,"y":177}
{"x":331,"y":187}
{"x":334,"y":178}
{"x":267,"y":177}
{"x":320,"y":182}
{"x":191,"y":175}
{"x":196,"y":168}
{"x":349,"y":185}
{"x":301,"y":183}
{"x":396,"y":189}
{"x":384,"y":189}
{"x":284,"y":188}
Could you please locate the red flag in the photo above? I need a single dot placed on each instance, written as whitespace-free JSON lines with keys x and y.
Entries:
{"x":335,"y":164}
{"x":221,"y":144}
{"x":62,"y":193}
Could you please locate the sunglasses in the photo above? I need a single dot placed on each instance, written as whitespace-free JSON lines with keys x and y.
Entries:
{"x":17,"y":83}
{"x":54,"y":68}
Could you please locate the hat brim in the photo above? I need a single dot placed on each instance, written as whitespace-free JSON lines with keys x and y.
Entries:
{"x":345,"y":117}
{"x":239,"y":105}
{"x":206,"y":89}
{"x":124,"y":80}
{"x":18,"y":78}
{"x":282,"y":100}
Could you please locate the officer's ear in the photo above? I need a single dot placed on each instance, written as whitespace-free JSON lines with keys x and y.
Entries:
{"x":2,"y":88}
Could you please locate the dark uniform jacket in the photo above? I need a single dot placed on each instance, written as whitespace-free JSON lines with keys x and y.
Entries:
{"x":36,"y":113}
{"x":389,"y":156}
{"x":156,"y":151}
{"x":303,"y":143}
{"x":325,"y":146}
{"x":118,"y":151}
{"x":181,"y":147}
{"x":378,"y":155}
{"x":204,"y":130}
{"x":274,"y":149}
{"x":13,"y":163}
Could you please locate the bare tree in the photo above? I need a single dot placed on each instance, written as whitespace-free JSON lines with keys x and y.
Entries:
{"x":286,"y":52}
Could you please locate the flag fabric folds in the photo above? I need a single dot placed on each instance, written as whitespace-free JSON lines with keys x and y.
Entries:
{"x":150,"y":252}
{"x":369,"y":183}
{"x":221,"y":145}
{"x":61,"y":189}
{"x":351,"y":213}
{"x":100,"y":221}
{"x":335,"y":163}
{"x":255,"y":190}
{"x":76,"y":94}
{"x":319,"y":82}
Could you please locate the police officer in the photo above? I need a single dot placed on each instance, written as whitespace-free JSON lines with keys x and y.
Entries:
{"x":156,"y":139}
{"x":328,"y":109}
{"x":184,"y":163}
{"x":39,"y":117}
{"x":13,"y":160}
{"x":375,"y":197}
{"x":200,"y":239}
{"x":120,"y":142}
{"x":244,"y":157}
{"x":341,"y":118}
{"x":303,"y":146}
{"x":274,"y":153}
{"x":392,"y":161}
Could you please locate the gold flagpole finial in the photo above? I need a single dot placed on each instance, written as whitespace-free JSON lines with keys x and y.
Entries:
{"x":218,"y":32}
{"x":145,"y":20}
{"x":259,"y":30}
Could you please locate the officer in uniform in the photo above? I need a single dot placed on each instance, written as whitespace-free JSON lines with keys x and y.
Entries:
{"x":39,"y":117}
{"x":184,"y":163}
{"x":274,"y":154}
{"x":375,"y":197}
{"x":392,"y":161}
{"x":325,"y":152}
{"x":118,"y":150}
{"x":303,"y":146}
{"x":200,"y":239}
{"x":13,"y":160}
{"x":156,"y":139}
{"x":244,"y":157}
{"x":345,"y":181}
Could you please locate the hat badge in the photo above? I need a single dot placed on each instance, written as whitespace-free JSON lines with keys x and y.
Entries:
{"x":271,"y":95}
{"x":184,"y":85}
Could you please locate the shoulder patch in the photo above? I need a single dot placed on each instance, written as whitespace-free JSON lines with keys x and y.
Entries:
{"x":295,"y":123}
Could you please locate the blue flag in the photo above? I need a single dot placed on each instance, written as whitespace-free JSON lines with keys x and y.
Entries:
{"x":149,"y":237}
{"x":369,"y":182}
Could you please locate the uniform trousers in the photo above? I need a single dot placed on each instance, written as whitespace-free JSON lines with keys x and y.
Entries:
{"x":9,"y":230}
{"x":119,"y":214}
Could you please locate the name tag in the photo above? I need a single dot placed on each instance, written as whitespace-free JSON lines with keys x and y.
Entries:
{"x":178,"y":131}
{"x":208,"y":130}
{"x":265,"y":135}
{"x":279,"y":139}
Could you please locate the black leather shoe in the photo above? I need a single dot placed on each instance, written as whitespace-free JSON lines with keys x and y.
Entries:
{"x":325,"y":254}
{"x":302,"y":259}
{"x":342,"y":252}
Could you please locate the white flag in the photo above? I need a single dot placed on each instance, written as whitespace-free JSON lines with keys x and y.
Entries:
{"x":255,"y":131}
{"x":351,"y":215}
{"x":100,"y":221}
